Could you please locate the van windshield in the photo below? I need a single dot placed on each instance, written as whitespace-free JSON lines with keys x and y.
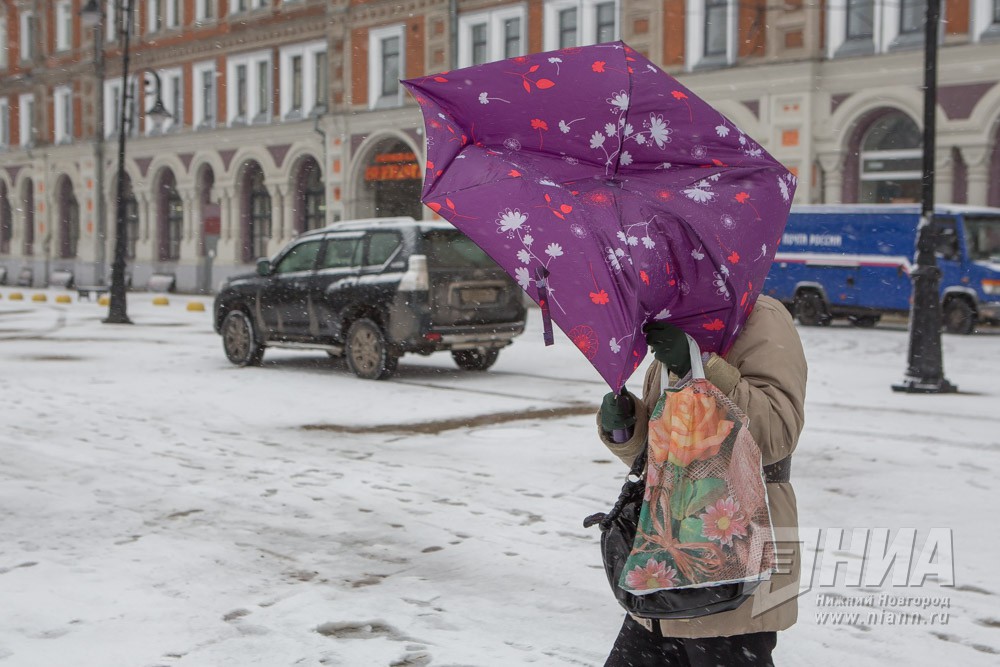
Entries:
{"x":983,"y":238}
{"x":454,"y":250}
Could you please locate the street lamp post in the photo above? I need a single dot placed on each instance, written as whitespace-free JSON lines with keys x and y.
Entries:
{"x":925,"y":372}
{"x":91,"y":15}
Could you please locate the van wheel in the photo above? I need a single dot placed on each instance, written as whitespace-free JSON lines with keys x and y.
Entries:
{"x":367,"y":352}
{"x":959,"y":317}
{"x":240,"y":340}
{"x":810,"y":310}
{"x":475,"y":360}
{"x":865,"y":321}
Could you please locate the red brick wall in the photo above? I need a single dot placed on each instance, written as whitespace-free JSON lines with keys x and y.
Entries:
{"x":673,"y":33}
{"x":536,"y":17}
{"x":956,"y":12}
{"x":415,"y":65}
{"x":359,"y":65}
{"x":752,"y":24}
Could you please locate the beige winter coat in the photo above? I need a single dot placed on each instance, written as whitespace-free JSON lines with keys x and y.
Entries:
{"x":765,"y":374}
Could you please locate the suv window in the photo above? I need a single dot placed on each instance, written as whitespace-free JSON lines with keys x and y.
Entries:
{"x":341,"y":252}
{"x":454,"y":249}
{"x":300,"y":258}
{"x":381,"y":247}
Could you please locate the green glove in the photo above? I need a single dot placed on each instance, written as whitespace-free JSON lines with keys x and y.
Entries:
{"x":669,"y":346}
{"x":617,"y":412}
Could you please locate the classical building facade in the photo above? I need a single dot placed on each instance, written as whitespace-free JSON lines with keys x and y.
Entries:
{"x":287,"y":114}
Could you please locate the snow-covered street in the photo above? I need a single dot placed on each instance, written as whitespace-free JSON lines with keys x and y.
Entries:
{"x":160,"y":507}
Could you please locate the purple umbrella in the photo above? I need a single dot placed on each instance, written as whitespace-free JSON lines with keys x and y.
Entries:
{"x":609,"y":191}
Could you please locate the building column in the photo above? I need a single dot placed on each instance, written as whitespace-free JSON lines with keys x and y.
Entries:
{"x":278,"y":193}
{"x":147,"y":248}
{"x":189,"y":238}
{"x":944,"y":176}
{"x":977,"y":166}
{"x":832,"y":165}
{"x":228,"y":252}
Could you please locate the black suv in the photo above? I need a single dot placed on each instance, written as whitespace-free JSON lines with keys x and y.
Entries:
{"x":373,"y":290}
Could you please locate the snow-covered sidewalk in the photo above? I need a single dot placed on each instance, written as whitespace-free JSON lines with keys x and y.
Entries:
{"x":161,"y":507}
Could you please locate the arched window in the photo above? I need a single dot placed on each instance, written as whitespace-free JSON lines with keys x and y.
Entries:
{"x":131,"y":219}
{"x":310,"y":197}
{"x":6,"y":231}
{"x":28,"y":199}
{"x":69,"y":220}
{"x":891,"y":161}
{"x":257,"y":213}
{"x":171,"y":214}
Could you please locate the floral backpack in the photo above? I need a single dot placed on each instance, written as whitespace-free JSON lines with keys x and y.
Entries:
{"x":694,"y":536}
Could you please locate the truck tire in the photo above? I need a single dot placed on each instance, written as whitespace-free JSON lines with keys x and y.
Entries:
{"x":475,"y":360}
{"x":810,"y":310}
{"x":367,"y":351}
{"x":959,"y":317}
{"x":240,"y":339}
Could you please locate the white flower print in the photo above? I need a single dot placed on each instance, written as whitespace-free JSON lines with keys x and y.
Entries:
{"x":569,"y":159}
{"x":727,"y":221}
{"x":523,"y":277}
{"x":714,"y":177}
{"x":614,"y":345}
{"x":597,"y":140}
{"x":724,"y":270}
{"x":579,"y":231}
{"x":697,"y":254}
{"x":512,"y":144}
{"x":620,"y":100}
{"x":640,"y":139}
{"x":621,"y":236}
{"x":659,"y":130}
{"x":720,"y":286}
{"x":662,"y":315}
{"x":510,"y":220}
{"x":699,"y":152}
{"x":629,"y":129}
{"x":484,"y":98}
{"x":554,"y":250}
{"x":528,"y":240}
{"x":609,"y":129}
{"x":612,"y":258}
{"x":784,"y":188}
{"x":722,"y":130}
{"x":632,"y":241}
{"x":546,"y":181}
{"x":556,"y":61}
{"x":524,"y":256}
{"x":648,"y":242}
{"x":698,"y":195}
{"x":563,"y":127}
{"x":665,"y":165}
{"x":626,"y":158}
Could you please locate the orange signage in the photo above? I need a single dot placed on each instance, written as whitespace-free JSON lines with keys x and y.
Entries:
{"x":393,"y":167}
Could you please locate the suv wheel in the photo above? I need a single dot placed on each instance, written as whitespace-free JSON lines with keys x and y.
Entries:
{"x":475,"y":360}
{"x":240,"y":341}
{"x":959,"y":317}
{"x":368,"y":354}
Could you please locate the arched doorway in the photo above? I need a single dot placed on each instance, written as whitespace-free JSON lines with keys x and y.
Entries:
{"x":993,"y":195}
{"x":69,"y":219}
{"x":309,"y":204}
{"x":255,"y":212}
{"x":890,"y":160}
{"x":170,"y":217}
{"x":391,"y":182}
{"x":208,"y":210}
{"x":28,"y":215}
{"x":6,"y":228}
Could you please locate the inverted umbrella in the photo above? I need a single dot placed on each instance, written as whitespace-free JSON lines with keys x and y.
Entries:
{"x":609,"y":191}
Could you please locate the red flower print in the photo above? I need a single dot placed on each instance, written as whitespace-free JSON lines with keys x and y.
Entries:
{"x":598,"y":66}
{"x":678,"y":95}
{"x":585,"y":339}
{"x":513,"y":173}
{"x":600,"y":298}
{"x":653,"y":576}
{"x":724,"y":521}
{"x":734,"y":257}
{"x":714,"y":325}
{"x":644,"y":276}
{"x":538,"y":124}
{"x":742,"y":197}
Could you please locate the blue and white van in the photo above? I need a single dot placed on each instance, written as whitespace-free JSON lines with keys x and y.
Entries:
{"x":854,"y":261}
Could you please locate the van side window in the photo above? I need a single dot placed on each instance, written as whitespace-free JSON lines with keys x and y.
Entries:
{"x":340,"y":253}
{"x":381,"y":247}
{"x":946,"y":239}
{"x":300,"y":258}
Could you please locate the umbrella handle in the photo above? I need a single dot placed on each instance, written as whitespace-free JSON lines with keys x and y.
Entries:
{"x":626,"y":407}
{"x":542,"y":285}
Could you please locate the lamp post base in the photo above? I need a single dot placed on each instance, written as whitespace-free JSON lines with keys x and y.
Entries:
{"x":912,"y":385}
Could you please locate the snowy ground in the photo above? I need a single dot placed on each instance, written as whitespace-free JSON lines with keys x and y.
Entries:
{"x":161,"y":507}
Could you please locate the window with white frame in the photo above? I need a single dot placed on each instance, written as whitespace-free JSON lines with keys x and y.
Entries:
{"x":386,"y":48}
{"x":114,"y":20}
{"x":62,"y":106}
{"x":487,"y":36}
{"x":300,"y":79}
{"x":571,"y":23}
{"x":985,"y":19}
{"x":26,"y":119}
{"x":321,"y":80}
{"x":912,"y":14}
{"x":155,"y":15}
{"x":29,"y":35}
{"x":710,"y":33}
{"x":64,"y":26}
{"x":3,"y":42}
{"x":859,"y":27}
{"x":173,"y":10}
{"x":860,"y":17}
{"x":4,"y":123}
{"x":205,"y":94}
{"x":204,"y":10}
{"x":172,"y":96}
{"x":236,"y":6}
{"x":112,"y":107}
{"x":248,"y":95}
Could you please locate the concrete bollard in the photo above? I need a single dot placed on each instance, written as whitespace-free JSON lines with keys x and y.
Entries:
{"x":39,"y":297}
{"x":64,"y":298}
{"x":16,"y":296}
{"x":161,"y":301}
{"x":196,"y":306}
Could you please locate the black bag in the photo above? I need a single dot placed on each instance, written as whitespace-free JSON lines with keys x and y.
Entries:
{"x":618,"y":529}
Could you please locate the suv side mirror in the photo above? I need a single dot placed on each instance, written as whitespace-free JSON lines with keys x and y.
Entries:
{"x":263,"y":267}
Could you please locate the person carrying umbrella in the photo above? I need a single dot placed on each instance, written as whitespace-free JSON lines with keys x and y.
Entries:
{"x":764,"y":373}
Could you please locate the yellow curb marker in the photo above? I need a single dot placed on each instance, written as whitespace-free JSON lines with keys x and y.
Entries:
{"x":16,"y":296}
{"x":103,"y":300}
{"x":161,"y":301}
{"x":196,"y":306}
{"x":64,"y":298}
{"x":39,"y":297}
